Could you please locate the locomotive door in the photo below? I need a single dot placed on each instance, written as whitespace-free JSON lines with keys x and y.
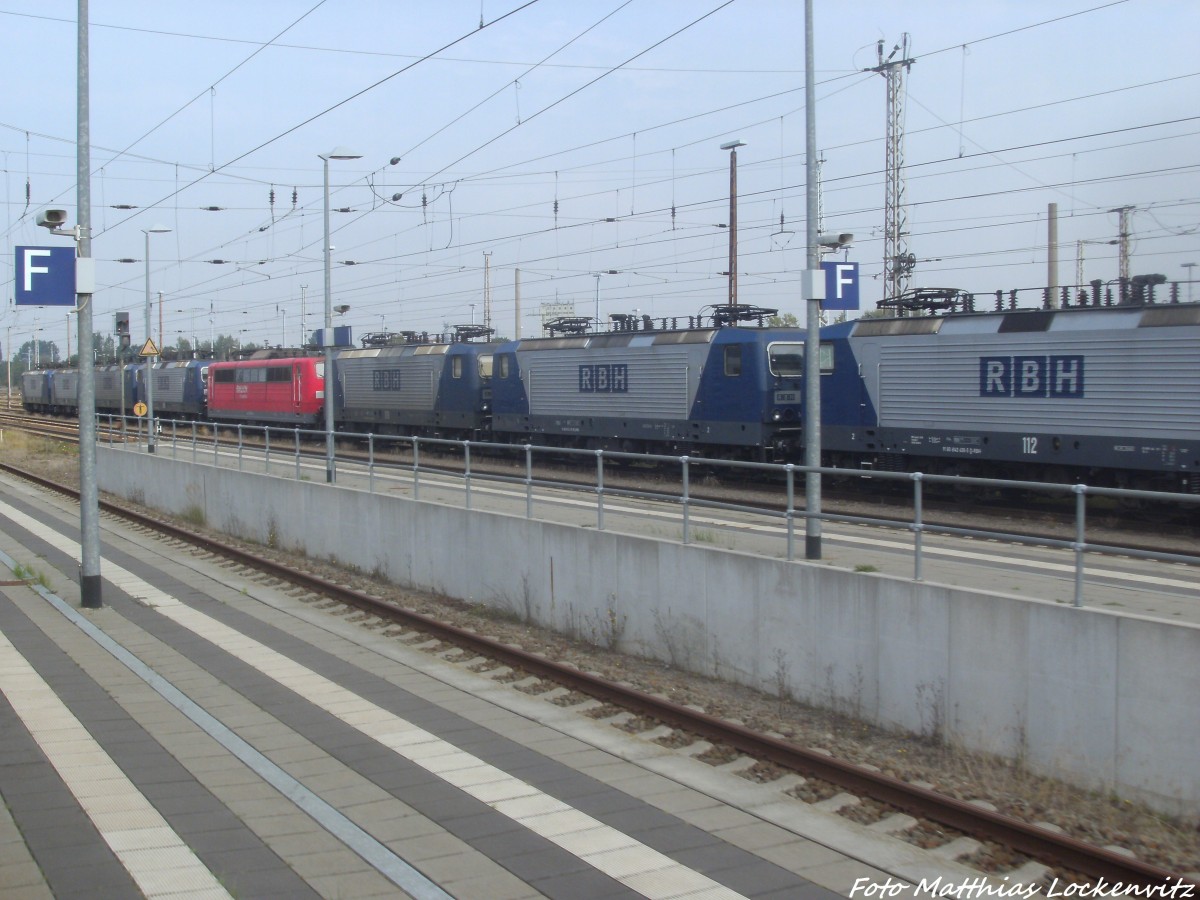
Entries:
{"x":297,"y":390}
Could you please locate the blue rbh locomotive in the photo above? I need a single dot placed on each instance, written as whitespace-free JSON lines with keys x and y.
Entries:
{"x":1106,"y":395}
{"x":1103,"y":395}
{"x":730,"y":392}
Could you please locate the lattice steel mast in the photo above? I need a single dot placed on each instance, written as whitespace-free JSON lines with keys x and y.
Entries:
{"x":487,"y":288}
{"x":898,"y":263}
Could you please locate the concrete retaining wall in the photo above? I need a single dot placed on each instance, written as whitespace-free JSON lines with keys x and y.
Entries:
{"x":1102,"y":700}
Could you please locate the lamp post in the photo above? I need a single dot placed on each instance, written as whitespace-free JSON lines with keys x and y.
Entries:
{"x":327,"y":333}
{"x":1188,"y":267}
{"x":155,"y":229}
{"x":732,"y":148}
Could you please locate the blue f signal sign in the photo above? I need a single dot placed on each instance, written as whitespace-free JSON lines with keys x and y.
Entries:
{"x":841,"y":285}
{"x":45,"y":276}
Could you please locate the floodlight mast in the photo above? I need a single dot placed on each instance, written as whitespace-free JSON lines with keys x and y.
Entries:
{"x":732,"y":146}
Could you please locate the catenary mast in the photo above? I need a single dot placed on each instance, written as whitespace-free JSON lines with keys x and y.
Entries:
{"x":898,"y":263}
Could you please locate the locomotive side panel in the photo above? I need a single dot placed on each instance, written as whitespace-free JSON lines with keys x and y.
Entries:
{"x":1082,"y":385}
{"x":619,"y":390}
{"x":438,"y":389}
{"x":388,"y":385}
{"x":1071,"y":389}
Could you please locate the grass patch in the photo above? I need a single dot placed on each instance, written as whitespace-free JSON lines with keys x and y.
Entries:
{"x":32,"y":576}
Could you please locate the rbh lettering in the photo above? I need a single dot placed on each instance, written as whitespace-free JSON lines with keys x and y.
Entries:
{"x":1031,"y":376}
{"x":385,"y":380}
{"x":611,"y":378}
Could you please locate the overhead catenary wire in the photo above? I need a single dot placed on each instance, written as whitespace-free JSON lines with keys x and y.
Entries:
{"x":642,"y":182}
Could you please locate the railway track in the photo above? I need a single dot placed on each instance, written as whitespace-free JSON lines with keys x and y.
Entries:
{"x":931,"y":809}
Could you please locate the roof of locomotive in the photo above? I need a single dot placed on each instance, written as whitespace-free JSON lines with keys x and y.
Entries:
{"x":1075,"y":318}
{"x":656,"y":338}
{"x":254,"y":363}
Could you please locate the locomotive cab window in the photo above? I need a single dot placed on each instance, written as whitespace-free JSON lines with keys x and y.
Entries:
{"x":787,"y":360}
{"x":733,"y":360}
{"x":503,"y":366}
{"x":485,"y":365}
{"x":456,"y":367}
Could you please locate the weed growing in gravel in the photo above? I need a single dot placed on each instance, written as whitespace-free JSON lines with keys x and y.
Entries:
{"x":605,"y":627}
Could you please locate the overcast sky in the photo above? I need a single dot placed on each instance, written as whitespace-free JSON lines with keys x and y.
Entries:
{"x":567,"y":138}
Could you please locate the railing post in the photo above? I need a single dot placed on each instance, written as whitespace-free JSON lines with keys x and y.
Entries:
{"x":216,"y":444}
{"x":467,"y":470}
{"x":267,"y":449}
{"x":174,"y":439}
{"x":239,"y":446}
{"x":1080,"y":531}
{"x":599,"y":490}
{"x":416,"y":442}
{"x":370,"y":463}
{"x":687,"y":509}
{"x":918,"y":525}
{"x":110,"y":430}
{"x":528,"y":481}
{"x":790,"y":514}
{"x":195,"y":439}
{"x":296,"y":431}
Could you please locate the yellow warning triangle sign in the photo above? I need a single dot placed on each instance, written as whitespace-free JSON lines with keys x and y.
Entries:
{"x":148,"y":348}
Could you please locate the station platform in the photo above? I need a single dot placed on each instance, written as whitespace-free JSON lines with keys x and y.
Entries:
{"x":205,"y":734}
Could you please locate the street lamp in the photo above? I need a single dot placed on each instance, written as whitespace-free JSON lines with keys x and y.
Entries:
{"x":327,"y":334}
{"x":1189,"y":266}
{"x":732,"y":148}
{"x":154,"y":229}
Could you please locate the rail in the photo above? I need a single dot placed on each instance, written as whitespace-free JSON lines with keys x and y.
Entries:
{"x":387,"y":456}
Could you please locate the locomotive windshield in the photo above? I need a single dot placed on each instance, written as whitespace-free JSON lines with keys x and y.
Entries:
{"x":787,"y":359}
{"x":485,"y":365}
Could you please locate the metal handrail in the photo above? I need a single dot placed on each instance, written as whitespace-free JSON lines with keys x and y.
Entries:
{"x":603,"y":490}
